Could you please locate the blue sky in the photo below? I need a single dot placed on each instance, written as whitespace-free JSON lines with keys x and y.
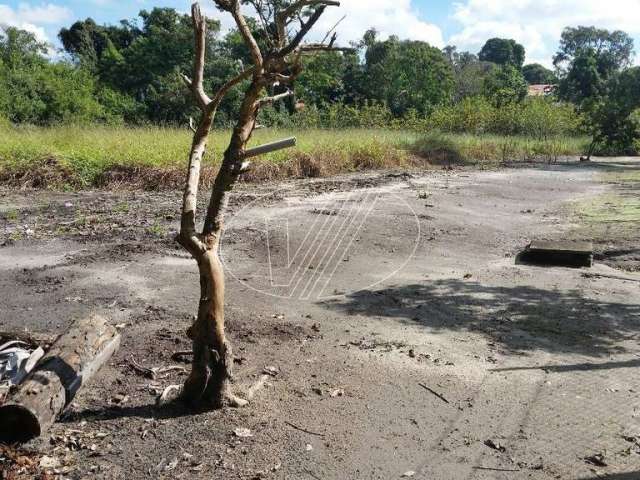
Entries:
{"x":536,"y":24}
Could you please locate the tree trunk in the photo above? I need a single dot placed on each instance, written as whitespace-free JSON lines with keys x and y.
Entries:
{"x":70,"y":363}
{"x":212,"y":357}
{"x":208,"y":383}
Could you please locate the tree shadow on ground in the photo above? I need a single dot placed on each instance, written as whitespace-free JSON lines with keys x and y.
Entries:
{"x":616,"y":476}
{"x":519,"y":319}
{"x":577,"y":367}
{"x":151,"y":411}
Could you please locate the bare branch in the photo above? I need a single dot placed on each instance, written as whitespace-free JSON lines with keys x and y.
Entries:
{"x":233,"y":7}
{"x":269,"y":100}
{"x":304,"y":29}
{"x":187,"y":81}
{"x":316,"y":47}
{"x":222,"y":91}
{"x":200,"y":33}
{"x":284,"y":17}
{"x":331,"y":30}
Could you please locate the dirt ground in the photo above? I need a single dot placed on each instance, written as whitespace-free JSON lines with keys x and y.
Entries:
{"x":399,"y":335}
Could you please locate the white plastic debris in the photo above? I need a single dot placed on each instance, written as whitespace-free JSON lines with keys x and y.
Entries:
{"x":16,"y":361}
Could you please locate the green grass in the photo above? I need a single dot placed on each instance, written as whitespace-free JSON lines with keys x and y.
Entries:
{"x":155,"y":157}
{"x":615,"y":214}
{"x":491,"y":150}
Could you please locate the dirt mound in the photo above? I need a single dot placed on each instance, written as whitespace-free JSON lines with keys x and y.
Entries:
{"x":49,"y":172}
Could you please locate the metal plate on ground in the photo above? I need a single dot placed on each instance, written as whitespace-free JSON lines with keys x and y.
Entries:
{"x":557,"y":253}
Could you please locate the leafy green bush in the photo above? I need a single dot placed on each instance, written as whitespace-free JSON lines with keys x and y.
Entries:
{"x":536,"y":117}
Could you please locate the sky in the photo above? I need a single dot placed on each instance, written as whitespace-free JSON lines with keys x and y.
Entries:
{"x":536,"y":24}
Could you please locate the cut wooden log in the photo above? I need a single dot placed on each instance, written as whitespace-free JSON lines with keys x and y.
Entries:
{"x":558,"y":253}
{"x":72,"y":361}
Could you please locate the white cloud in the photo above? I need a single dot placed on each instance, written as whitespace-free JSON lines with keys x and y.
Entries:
{"x":34,"y":18}
{"x":389,"y":17}
{"x":537,"y":24}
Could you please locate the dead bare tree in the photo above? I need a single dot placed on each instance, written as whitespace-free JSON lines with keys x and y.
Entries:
{"x":279,"y":63}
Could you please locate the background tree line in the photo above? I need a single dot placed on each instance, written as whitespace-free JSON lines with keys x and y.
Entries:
{"x":130,"y":73}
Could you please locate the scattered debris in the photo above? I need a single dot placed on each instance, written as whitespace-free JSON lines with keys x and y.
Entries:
{"x":433,"y":392}
{"x":20,"y":464}
{"x":497,"y":469}
{"x":324,"y":211}
{"x":47,"y":462}
{"x":310,"y":432}
{"x":16,"y":361}
{"x":182,"y":356}
{"x":495,"y":445}
{"x":154,"y":373}
{"x":74,"y":440}
{"x":404,"y":175}
{"x":598,"y":460}
{"x":77,"y":354}
{"x":168,"y":395}
{"x":119,"y":399}
{"x":271,"y":371}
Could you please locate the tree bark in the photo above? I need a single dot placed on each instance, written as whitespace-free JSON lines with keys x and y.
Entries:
{"x":72,"y":361}
{"x":208,"y":382}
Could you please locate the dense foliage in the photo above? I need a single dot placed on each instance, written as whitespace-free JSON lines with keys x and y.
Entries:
{"x":129,"y":73}
{"x":536,"y":74}
{"x":596,"y":76}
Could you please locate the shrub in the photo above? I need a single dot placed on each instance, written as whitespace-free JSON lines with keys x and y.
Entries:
{"x":539,"y":118}
{"x":438,"y":148}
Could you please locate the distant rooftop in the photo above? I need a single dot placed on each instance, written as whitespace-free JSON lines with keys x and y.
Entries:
{"x":541,"y":90}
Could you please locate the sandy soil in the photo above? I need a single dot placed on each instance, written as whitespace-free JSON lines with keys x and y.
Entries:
{"x":400,"y":334}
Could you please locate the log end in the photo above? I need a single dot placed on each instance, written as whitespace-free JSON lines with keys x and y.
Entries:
{"x":18,"y":424}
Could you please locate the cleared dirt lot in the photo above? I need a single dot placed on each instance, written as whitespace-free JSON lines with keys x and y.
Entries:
{"x":357,"y":290}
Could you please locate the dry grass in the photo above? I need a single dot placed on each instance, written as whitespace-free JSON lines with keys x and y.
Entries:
{"x":154,"y":158}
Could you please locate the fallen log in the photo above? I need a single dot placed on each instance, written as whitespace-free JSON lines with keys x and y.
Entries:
{"x":72,"y":361}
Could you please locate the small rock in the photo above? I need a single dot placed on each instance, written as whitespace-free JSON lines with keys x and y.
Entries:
{"x":308,"y":447}
{"x":242,"y":432}
{"x":338,"y":392}
{"x":49,"y":462}
{"x":408,"y":473}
